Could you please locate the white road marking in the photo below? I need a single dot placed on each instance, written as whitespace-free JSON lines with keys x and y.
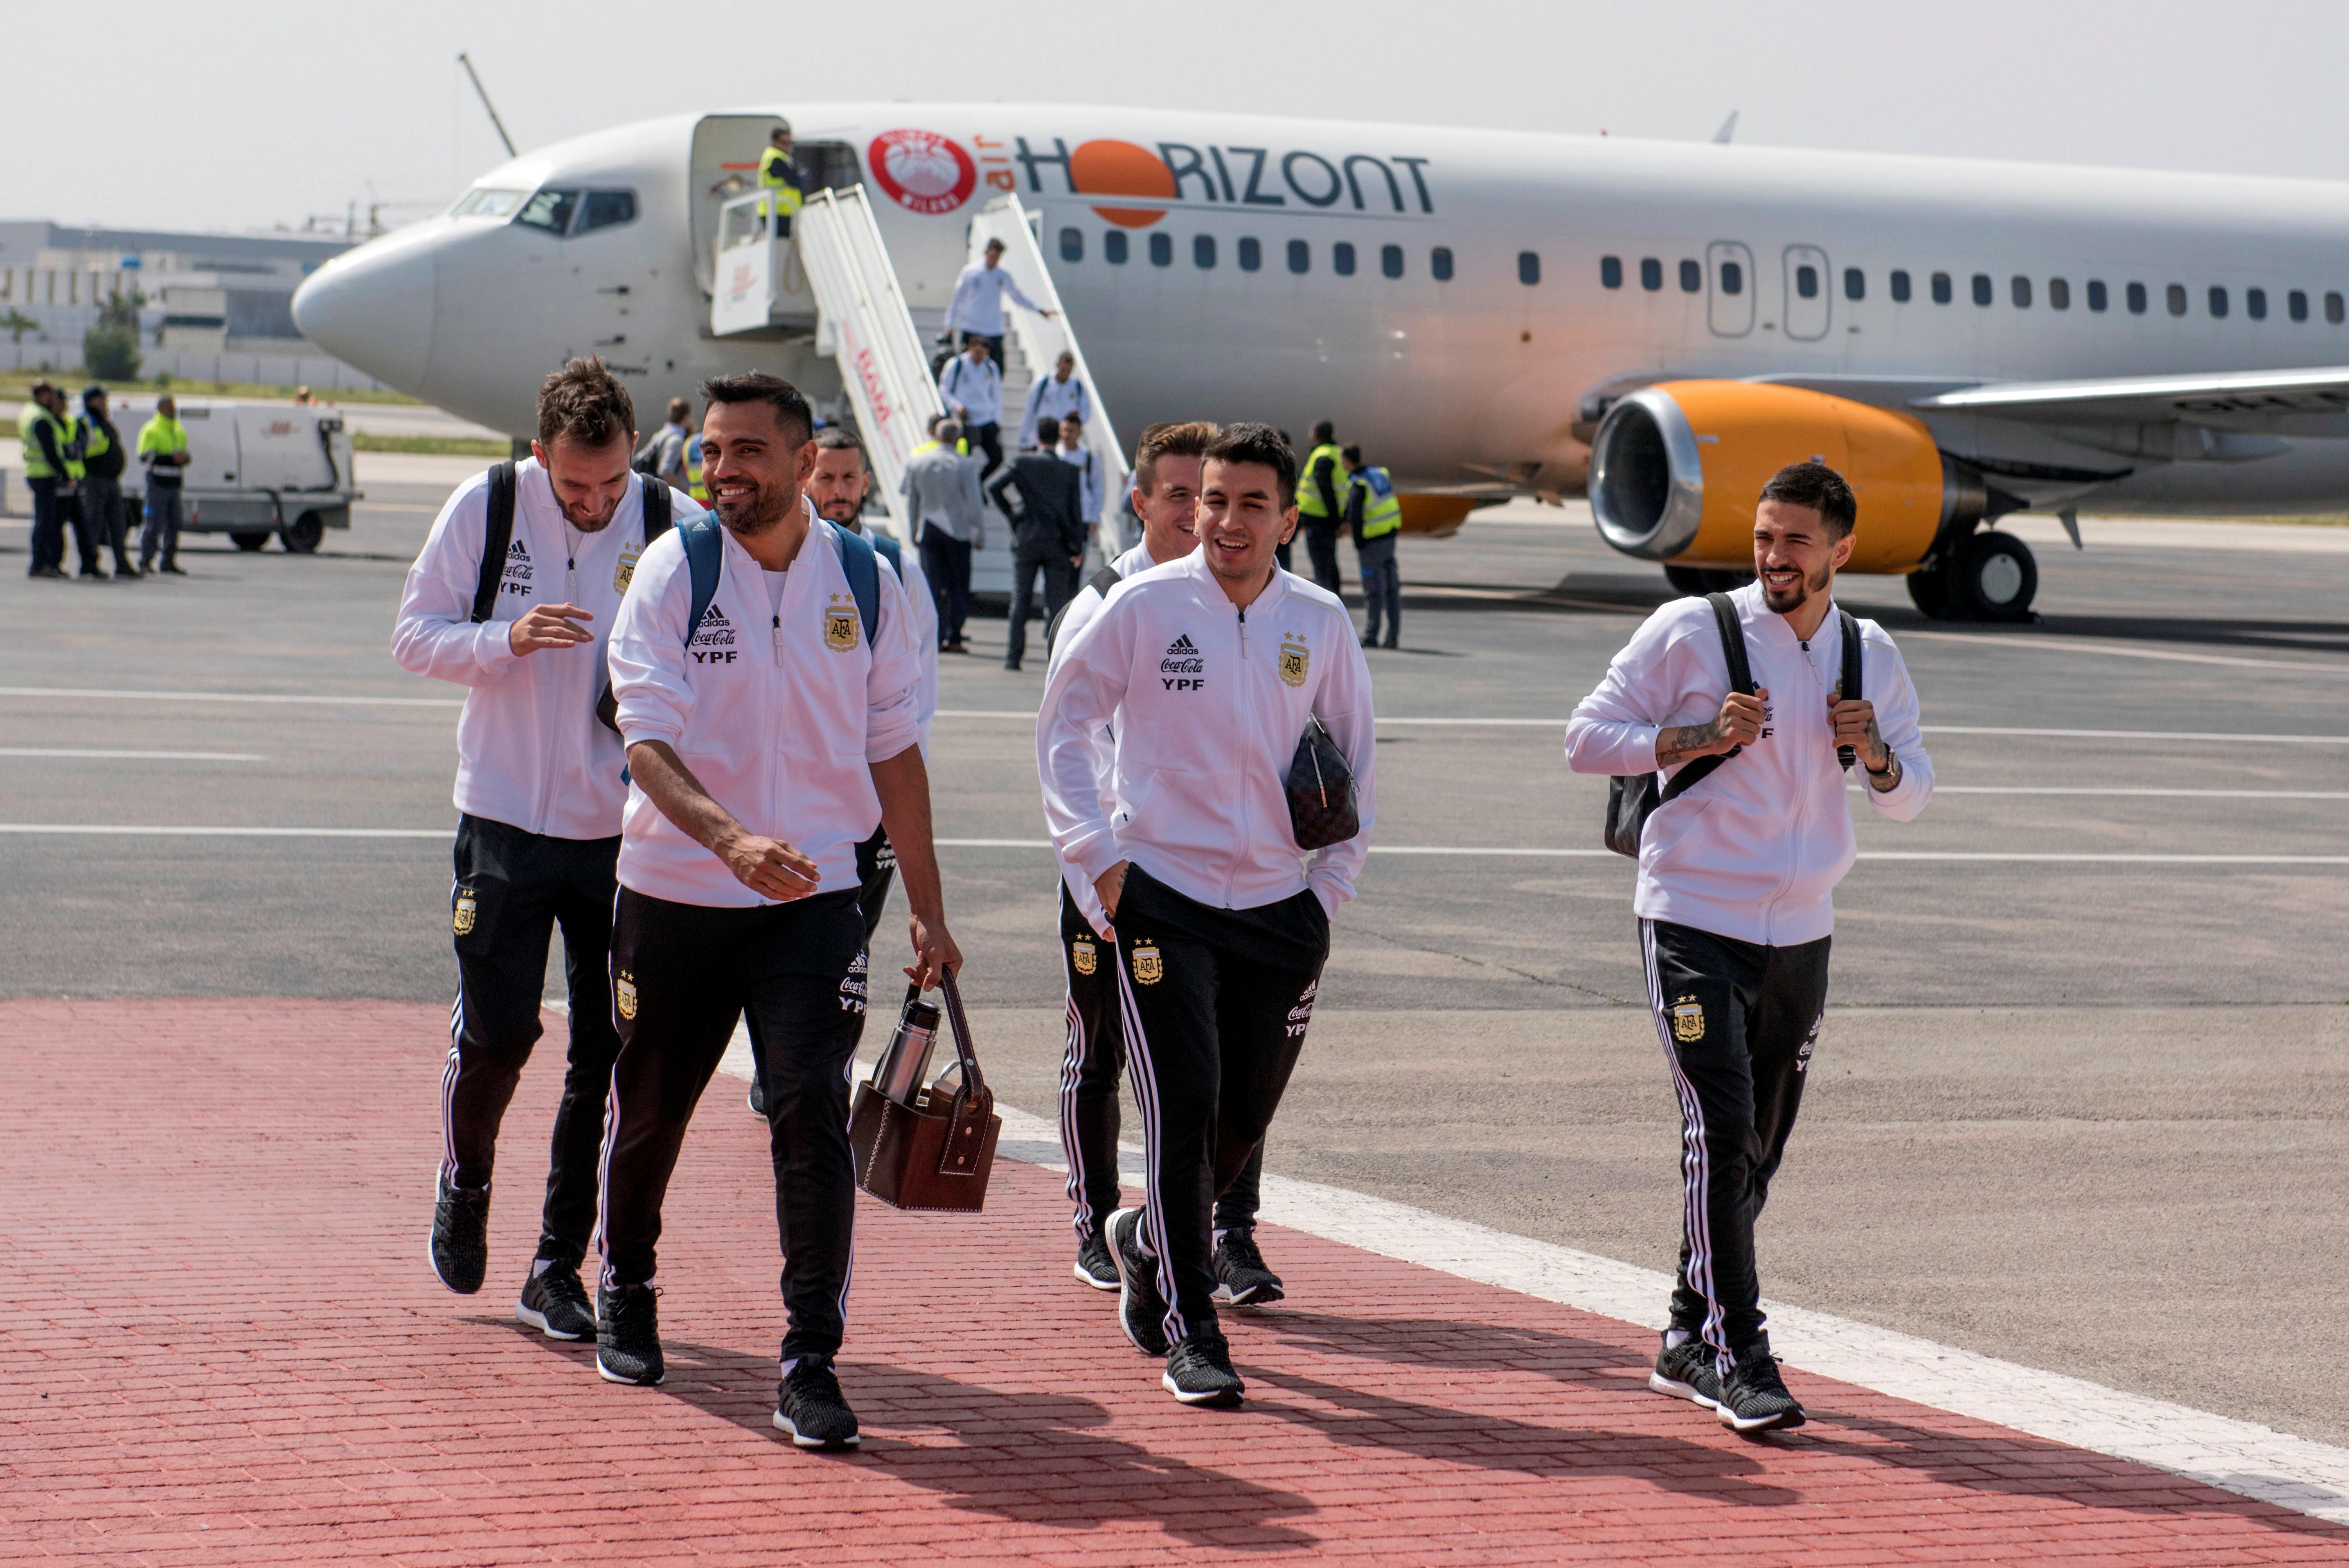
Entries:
{"x":232,"y":696}
{"x":2277,"y":739}
{"x":2068,"y":645}
{"x":2091,"y":858}
{"x":1941,"y":790}
{"x":135,"y":756}
{"x":145,"y":832}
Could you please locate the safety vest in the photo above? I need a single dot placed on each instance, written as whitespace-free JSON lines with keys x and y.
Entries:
{"x":94,"y":442}
{"x":776,"y":174}
{"x":160,"y":434}
{"x":36,"y":466}
{"x":1382,"y":509}
{"x":1308,"y":494}
{"x":693,"y":485}
{"x":962,"y":447}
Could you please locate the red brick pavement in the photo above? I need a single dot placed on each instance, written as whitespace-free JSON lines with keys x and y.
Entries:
{"x":222,"y":1344}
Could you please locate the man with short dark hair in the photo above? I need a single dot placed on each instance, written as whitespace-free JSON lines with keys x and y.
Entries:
{"x":52,"y":472}
{"x":101,"y":487}
{"x":1374,"y":515}
{"x":971,"y":387}
{"x":1320,"y":502}
{"x":976,"y":305}
{"x":767,"y":736}
{"x":1072,"y":451}
{"x":1209,"y":669}
{"x":540,"y":792}
{"x":1044,"y":499}
{"x":163,"y":448}
{"x":1735,"y":895}
{"x":1055,"y":396}
{"x":941,"y":490}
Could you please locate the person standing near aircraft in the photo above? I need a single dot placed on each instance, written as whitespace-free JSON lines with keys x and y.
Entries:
{"x":976,"y":306}
{"x":1375,"y":518}
{"x":1320,"y":502}
{"x":102,"y":465}
{"x":1735,"y":895}
{"x":972,"y":389}
{"x":760,"y":757}
{"x":1210,"y":669}
{"x":1074,"y":451}
{"x":1048,"y":534}
{"x":941,"y":490}
{"x":1055,"y":396}
{"x":53,"y":471}
{"x":163,"y":448}
{"x":512,"y":598}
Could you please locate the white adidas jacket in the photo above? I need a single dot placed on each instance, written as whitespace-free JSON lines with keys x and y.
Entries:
{"x":530,"y":750}
{"x":1208,"y":702}
{"x":1753,"y":851}
{"x":777,"y":713}
{"x":1074,"y":619}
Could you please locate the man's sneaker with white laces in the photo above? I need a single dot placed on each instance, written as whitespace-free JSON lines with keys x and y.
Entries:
{"x":1245,"y":1281}
{"x":810,"y":1407}
{"x":1753,"y":1398}
{"x":1199,"y":1371}
{"x":1686,"y":1371}
{"x":554,"y":1303}
{"x":1141,"y":1310}
{"x":1094,"y":1266}
{"x":460,"y":1236}
{"x":627,"y":1335}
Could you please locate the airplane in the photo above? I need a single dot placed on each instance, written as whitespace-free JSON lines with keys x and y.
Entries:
{"x":1489,"y":314}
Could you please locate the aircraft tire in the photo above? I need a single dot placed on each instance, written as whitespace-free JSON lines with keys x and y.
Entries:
{"x":1997,"y":577}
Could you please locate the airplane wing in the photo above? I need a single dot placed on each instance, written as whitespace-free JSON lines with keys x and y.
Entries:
{"x":2258,"y":402}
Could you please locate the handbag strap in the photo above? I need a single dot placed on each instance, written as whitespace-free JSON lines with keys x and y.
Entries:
{"x":973,"y":1102}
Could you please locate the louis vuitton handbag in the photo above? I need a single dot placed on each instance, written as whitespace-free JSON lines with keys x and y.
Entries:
{"x":1320,"y":790}
{"x":935,"y":1153}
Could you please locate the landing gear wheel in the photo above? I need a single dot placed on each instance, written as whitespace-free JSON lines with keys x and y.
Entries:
{"x":249,"y":541}
{"x":1928,"y":590}
{"x":1688,"y":580}
{"x":303,"y":534}
{"x":1996,"y":577}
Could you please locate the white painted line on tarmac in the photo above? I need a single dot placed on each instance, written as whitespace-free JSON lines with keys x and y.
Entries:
{"x":1579,"y":854}
{"x":1388,"y":722}
{"x":142,"y":830}
{"x":2067,"y":645}
{"x":1941,"y":790}
{"x":134,"y":756}
{"x":232,"y":696}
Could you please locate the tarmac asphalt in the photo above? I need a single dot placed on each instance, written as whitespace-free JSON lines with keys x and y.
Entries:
{"x":2083,"y":1113}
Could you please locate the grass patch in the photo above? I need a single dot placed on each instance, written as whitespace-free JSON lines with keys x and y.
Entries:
{"x":19,"y":384}
{"x":431,"y":445}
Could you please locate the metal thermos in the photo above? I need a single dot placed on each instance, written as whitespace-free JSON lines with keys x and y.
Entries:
{"x":898,"y":1073}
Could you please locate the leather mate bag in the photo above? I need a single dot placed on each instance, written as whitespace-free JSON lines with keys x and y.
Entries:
{"x":929,"y":1156}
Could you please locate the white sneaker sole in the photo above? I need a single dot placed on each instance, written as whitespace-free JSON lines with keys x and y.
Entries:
{"x":1678,"y":1390}
{"x":609,"y":1375}
{"x":1767,"y":1424}
{"x":1257,"y":1295}
{"x":1095,"y":1280}
{"x":1221,"y":1397}
{"x":538,"y":1320}
{"x":783,"y":1424}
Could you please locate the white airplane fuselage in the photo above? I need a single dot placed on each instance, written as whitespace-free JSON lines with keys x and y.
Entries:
{"x":1446,"y":381}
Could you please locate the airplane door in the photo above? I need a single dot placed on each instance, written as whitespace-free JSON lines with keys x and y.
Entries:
{"x":1729,"y":274}
{"x":1808,"y":298}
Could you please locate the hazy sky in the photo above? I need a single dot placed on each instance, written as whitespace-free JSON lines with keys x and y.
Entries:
{"x":234,"y":113}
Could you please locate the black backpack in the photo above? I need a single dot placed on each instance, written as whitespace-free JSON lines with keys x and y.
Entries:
{"x":1101,"y":582}
{"x":1633,"y":798}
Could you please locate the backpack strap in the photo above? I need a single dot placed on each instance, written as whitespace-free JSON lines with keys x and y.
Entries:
{"x":1741,"y":679}
{"x":658,"y":514}
{"x":889,"y":546}
{"x":1849,"y":687}
{"x":1101,"y":582}
{"x":864,"y":573}
{"x":495,"y":542}
{"x":704,"y":559}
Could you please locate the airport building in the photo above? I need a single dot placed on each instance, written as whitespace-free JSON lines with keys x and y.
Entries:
{"x":214,"y":307}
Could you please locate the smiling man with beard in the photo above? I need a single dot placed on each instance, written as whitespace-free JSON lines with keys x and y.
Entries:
{"x":1737,"y":876}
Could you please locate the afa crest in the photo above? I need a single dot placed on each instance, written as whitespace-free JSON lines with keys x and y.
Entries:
{"x":839,"y":625}
{"x":625,"y":572}
{"x":624,"y":990}
{"x":1147,"y":968}
{"x":1296,"y":658}
{"x":1082,"y":956}
{"x":462,"y":921}
{"x":1688,"y":1020}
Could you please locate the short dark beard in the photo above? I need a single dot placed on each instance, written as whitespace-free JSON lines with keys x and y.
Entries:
{"x":1802,"y":596}
{"x":767,"y":509}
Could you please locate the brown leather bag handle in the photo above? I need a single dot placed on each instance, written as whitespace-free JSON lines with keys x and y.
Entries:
{"x":973,"y":1102}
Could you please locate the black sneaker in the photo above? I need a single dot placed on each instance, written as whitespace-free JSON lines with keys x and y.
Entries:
{"x":173,"y":568}
{"x":627,"y":1335}
{"x":1141,"y":1310}
{"x":1686,"y":1371}
{"x":1246,"y":1281}
{"x":1753,"y":1398}
{"x":1094,"y":1266}
{"x":1199,"y":1372}
{"x":758,"y":1100}
{"x":809,"y":1406}
{"x":460,"y":1236}
{"x":554,"y":1303}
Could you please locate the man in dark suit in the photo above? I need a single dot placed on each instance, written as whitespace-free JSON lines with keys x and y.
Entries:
{"x":1047,"y":531}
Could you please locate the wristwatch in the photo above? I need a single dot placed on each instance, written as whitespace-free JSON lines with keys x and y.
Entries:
{"x":1892,"y":772}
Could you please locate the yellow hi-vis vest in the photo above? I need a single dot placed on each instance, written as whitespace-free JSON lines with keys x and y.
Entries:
{"x":693,"y":485}
{"x":36,"y":466}
{"x":94,"y":441}
{"x":1382,"y":509}
{"x":776,"y":174}
{"x":1308,"y":494}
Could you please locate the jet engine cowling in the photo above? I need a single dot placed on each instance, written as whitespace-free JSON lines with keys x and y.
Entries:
{"x":1676,"y":469}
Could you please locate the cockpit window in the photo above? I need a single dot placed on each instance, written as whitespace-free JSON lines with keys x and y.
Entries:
{"x":487,"y":203}
{"x":550,"y":209}
{"x":603,"y":209}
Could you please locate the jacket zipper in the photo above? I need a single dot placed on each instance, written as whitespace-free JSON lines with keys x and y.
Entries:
{"x":1246,"y":740}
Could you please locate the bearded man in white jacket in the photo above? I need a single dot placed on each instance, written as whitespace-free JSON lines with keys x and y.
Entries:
{"x":1736,"y":893}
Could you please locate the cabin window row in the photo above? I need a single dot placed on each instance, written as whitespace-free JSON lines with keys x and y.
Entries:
{"x":1344,"y":258}
{"x":1808,"y":283}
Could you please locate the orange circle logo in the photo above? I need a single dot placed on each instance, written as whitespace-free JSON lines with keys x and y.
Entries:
{"x":1121,"y":168}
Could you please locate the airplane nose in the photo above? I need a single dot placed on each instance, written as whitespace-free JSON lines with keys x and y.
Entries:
{"x":372,"y":307}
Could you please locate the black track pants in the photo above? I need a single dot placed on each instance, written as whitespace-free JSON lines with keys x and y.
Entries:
{"x":1216,"y":1004}
{"x":1738,"y":1021}
{"x":512,"y":889}
{"x":1090,"y":1069}
{"x":682,"y":974}
{"x":876,"y":869}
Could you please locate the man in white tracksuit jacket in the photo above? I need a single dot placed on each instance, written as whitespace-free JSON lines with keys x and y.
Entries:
{"x":1736,"y":893}
{"x":765,"y":742}
{"x":539,"y":787}
{"x":1207,"y":669}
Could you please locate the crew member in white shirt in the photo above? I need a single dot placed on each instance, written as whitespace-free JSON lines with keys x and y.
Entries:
{"x":1736,"y":893}
{"x":972,"y":389}
{"x":540,"y":792}
{"x":1055,"y":396}
{"x":1208,"y":669}
{"x":976,"y":307}
{"x":766,"y":739}
{"x":1074,"y":451}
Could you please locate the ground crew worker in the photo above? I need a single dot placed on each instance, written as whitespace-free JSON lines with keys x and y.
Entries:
{"x":693,"y":485}
{"x":163,"y":448}
{"x":1208,"y":669}
{"x":808,"y":728}
{"x":941,"y":490}
{"x":931,"y":443}
{"x":1055,"y":396}
{"x":52,"y":472}
{"x":539,"y":787}
{"x":1374,"y":516}
{"x":779,"y":175}
{"x":836,"y":492}
{"x":976,"y":305}
{"x":972,"y":389}
{"x":1044,"y":499}
{"x":1735,"y":895}
{"x":101,"y":487}
{"x":1320,"y":502}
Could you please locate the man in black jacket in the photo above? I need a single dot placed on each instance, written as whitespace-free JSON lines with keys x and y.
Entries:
{"x":101,"y":485}
{"x":1047,"y":531}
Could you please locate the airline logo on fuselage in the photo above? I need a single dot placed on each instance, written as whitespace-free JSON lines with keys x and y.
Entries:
{"x":1136,"y":186}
